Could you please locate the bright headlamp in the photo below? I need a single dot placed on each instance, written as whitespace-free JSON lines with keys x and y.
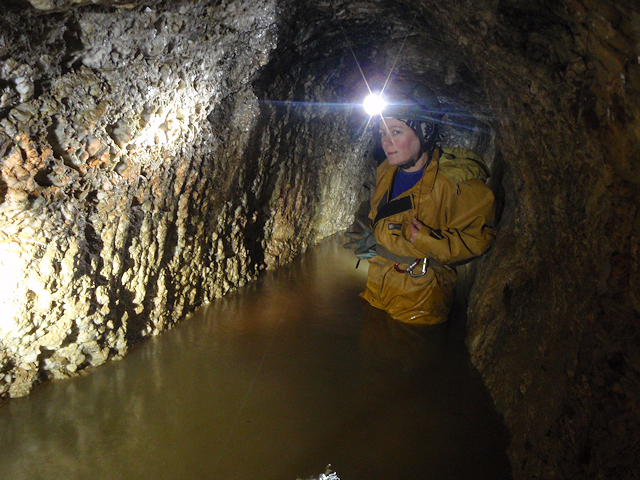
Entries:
{"x":374,"y":104}
{"x":420,"y":104}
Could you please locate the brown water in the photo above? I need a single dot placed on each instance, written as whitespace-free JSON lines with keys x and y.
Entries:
{"x":273,"y":382}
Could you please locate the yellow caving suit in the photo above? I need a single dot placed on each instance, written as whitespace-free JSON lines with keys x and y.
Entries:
{"x":456,"y":206}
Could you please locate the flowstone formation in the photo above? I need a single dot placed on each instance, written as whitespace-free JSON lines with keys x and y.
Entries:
{"x":156,"y":154}
{"x":142,"y":175}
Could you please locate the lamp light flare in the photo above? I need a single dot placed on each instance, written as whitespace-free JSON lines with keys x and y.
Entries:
{"x":373,"y":104}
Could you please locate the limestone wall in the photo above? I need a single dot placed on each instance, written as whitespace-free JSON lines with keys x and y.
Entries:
{"x":142,"y":175}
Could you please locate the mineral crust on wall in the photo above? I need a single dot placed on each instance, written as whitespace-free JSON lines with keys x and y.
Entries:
{"x":141,"y":175}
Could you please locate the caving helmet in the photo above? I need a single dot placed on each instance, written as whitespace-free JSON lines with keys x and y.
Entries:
{"x":418,"y":107}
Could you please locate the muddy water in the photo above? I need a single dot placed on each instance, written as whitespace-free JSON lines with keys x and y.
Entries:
{"x":274,"y":381}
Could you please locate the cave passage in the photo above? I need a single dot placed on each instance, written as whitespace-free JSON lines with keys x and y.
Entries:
{"x":274,"y":381}
{"x":156,"y":155}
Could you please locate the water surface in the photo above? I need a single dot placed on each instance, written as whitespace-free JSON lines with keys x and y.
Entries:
{"x":275,"y":381}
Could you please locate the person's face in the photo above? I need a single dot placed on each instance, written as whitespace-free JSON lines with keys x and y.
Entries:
{"x":399,"y":142}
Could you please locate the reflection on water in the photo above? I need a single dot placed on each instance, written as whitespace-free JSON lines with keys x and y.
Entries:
{"x":275,"y":381}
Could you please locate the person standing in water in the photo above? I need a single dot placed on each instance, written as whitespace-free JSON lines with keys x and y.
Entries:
{"x":431,"y":209}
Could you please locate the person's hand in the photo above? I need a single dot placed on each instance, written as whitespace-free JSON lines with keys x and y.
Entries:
{"x":364,"y":242}
{"x":414,"y":227}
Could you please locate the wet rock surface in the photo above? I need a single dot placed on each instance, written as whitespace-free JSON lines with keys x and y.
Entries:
{"x":143,"y":176}
{"x":155,"y":155}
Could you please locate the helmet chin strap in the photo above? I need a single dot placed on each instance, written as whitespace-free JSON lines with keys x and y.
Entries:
{"x":410,"y":163}
{"x":419,"y":129}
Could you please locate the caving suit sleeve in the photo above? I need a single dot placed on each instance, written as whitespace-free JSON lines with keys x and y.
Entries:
{"x":466,"y":224}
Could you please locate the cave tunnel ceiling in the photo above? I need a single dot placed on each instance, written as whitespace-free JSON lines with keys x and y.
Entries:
{"x":156,"y":155}
{"x":326,"y":37}
{"x":388,"y":39}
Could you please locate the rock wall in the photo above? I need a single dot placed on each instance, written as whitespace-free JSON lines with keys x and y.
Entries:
{"x":554,"y":314}
{"x":142,"y":175}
